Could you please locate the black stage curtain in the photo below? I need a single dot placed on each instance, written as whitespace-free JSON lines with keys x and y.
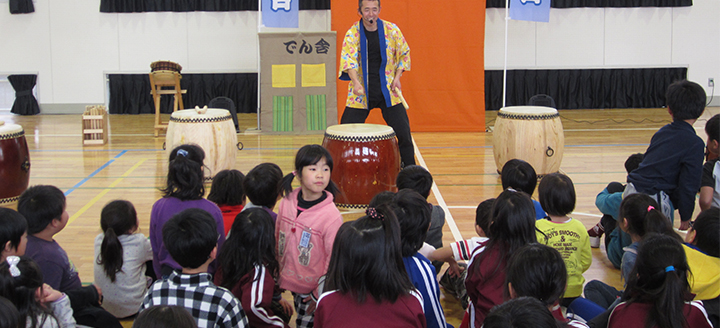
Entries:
{"x":21,"y":6}
{"x":130,"y":93}
{"x":136,"y":6}
{"x":584,"y":88}
{"x":604,"y":3}
{"x":25,"y":103}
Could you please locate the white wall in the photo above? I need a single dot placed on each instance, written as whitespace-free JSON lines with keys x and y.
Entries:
{"x":71,"y":45}
{"x":612,"y":37}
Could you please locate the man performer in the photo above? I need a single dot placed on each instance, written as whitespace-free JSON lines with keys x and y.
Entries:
{"x":374,"y":57}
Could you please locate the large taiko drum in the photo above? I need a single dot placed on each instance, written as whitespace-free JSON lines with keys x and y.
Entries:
{"x":214,"y":131}
{"x":366,"y":162}
{"x":531,"y":133}
{"x":14,"y":163}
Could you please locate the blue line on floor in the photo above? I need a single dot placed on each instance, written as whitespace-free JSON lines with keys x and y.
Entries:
{"x":67,"y":192}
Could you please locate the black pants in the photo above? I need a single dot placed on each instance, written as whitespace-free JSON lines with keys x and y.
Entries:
{"x":87,"y":311}
{"x":396,"y":117}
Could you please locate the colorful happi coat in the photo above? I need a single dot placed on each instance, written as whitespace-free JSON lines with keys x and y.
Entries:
{"x":354,"y":56}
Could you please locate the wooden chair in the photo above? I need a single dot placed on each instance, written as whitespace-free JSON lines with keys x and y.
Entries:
{"x":165,"y":83}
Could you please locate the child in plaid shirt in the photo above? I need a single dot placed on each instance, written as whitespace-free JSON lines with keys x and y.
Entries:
{"x":191,"y":239}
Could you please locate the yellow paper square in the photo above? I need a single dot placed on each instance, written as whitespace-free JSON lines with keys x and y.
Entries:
{"x":313,"y":75}
{"x":283,"y":76}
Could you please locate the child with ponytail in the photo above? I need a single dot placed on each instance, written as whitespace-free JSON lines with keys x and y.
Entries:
{"x":248,"y":268}
{"x":658,"y":291}
{"x":121,"y":254}
{"x":306,"y":226}
{"x":512,"y":226}
{"x":38,"y":304}
{"x":367,"y":283}
{"x":184,"y":189}
{"x":640,"y":215}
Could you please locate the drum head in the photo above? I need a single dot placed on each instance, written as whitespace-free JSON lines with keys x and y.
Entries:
{"x":11,"y":131}
{"x":528,"y":112}
{"x":191,"y":116}
{"x":359,"y":131}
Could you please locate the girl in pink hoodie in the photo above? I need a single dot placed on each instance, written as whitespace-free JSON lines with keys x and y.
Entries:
{"x":306,"y":226}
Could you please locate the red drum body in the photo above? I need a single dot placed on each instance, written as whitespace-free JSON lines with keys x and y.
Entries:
{"x":14,"y":163}
{"x":165,"y":65}
{"x":366,"y":161}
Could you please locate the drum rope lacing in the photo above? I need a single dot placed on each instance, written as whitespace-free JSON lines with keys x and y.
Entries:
{"x":528,"y":117}
{"x":9,"y":200}
{"x":352,"y":206}
{"x":12,"y":135}
{"x":360,"y":138}
{"x":200,"y":120}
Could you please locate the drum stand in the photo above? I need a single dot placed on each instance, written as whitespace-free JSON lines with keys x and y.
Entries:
{"x":158,"y":80}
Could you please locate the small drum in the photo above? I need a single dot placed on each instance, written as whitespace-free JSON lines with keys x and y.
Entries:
{"x":213,"y":131}
{"x":14,"y":163}
{"x":367,"y":161}
{"x":165,"y":65}
{"x":530,"y":133}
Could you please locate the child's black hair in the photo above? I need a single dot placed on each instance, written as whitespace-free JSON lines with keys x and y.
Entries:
{"x":40,"y":205}
{"x":413,"y":213}
{"x":519,"y":175}
{"x":262,"y":184}
{"x":227,"y":188}
{"x":360,"y":3}
{"x":415,"y":177}
{"x":185,"y":179}
{"x":10,"y":317}
{"x":660,"y":278}
{"x":251,"y":242}
{"x":643,"y":215}
{"x":685,"y":99}
{"x":164,"y":316}
{"x":117,"y":218}
{"x":557,"y":194}
{"x":706,"y":228}
{"x":483,"y":214}
{"x":12,"y":227}
{"x":190,"y":236}
{"x":21,"y":290}
{"x":537,"y":271}
{"x":521,"y":312}
{"x":366,"y":258}
{"x":633,"y":161}
{"x":309,"y":155}
{"x":512,"y":226}
{"x":712,"y":127}
{"x":381,"y":198}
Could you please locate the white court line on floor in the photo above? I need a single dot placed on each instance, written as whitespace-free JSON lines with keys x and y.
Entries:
{"x":573,"y":213}
{"x":586,"y":214}
{"x":441,"y":202}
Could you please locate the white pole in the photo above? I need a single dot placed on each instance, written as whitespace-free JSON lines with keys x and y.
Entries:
{"x":258,"y":61}
{"x":507,"y":18}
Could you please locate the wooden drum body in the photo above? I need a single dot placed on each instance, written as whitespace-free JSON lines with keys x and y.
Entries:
{"x":14,"y":163}
{"x":530,"y":133}
{"x":214,"y":131}
{"x":366,"y":161}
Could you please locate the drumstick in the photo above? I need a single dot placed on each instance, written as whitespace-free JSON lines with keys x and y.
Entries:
{"x":405,"y":104}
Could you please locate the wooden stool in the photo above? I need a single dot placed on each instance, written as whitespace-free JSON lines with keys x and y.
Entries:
{"x":158,"y":80}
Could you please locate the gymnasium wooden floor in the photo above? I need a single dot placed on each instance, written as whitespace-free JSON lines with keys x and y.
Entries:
{"x":132,"y":166}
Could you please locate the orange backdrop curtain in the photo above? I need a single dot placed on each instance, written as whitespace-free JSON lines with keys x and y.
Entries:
{"x":445,"y":87}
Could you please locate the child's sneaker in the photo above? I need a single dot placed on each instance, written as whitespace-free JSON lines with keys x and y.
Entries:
{"x":595,"y":233}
